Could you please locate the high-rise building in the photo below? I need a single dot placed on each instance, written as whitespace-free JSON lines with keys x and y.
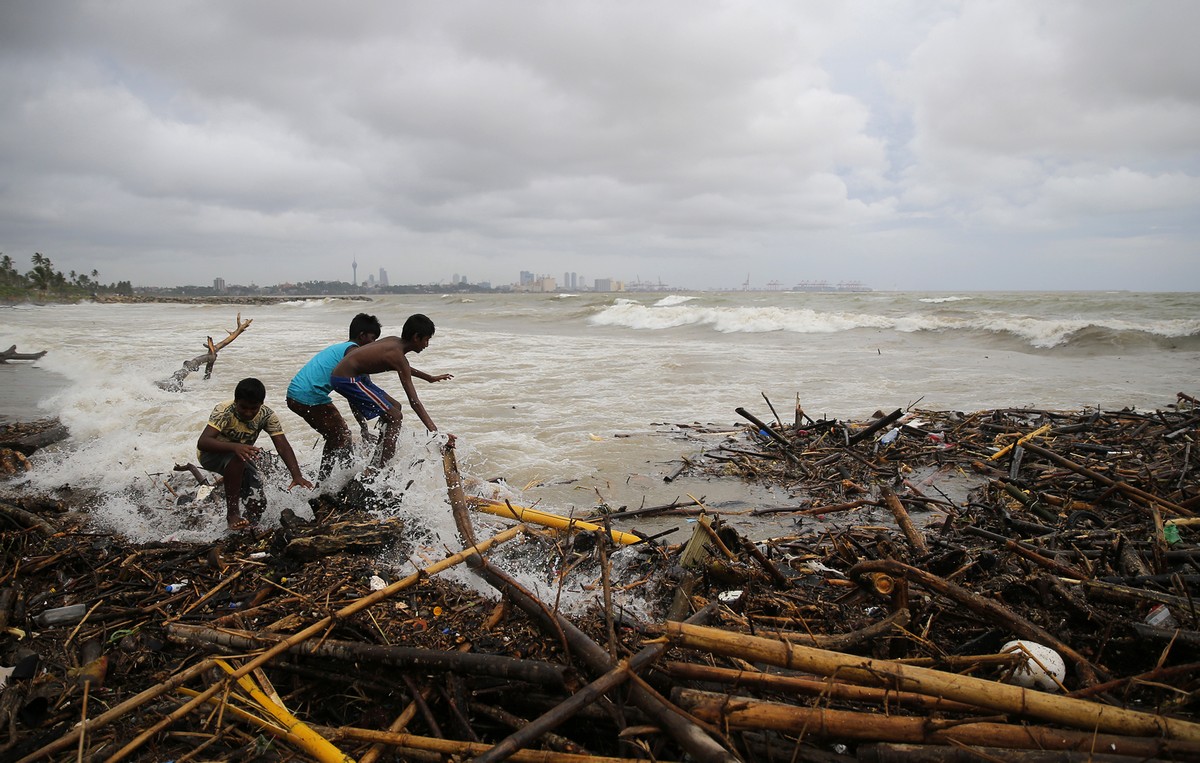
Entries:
{"x":383,"y":277}
{"x":574,"y":285}
{"x":526,"y":278}
{"x":219,"y":285}
{"x":354,"y":267}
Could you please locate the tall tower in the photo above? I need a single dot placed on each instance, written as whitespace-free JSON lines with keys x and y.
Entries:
{"x":354,"y":267}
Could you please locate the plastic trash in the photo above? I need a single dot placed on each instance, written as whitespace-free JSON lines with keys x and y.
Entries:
{"x":176,"y":587}
{"x":1043,"y":667}
{"x":890,"y":436}
{"x":61,"y":615}
{"x":1161,"y":617}
{"x":1171,"y":533}
{"x":377,"y":583}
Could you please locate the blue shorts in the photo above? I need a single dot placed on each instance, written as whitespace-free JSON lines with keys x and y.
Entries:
{"x":366,"y":398}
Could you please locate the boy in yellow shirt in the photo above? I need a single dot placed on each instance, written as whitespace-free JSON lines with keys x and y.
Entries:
{"x":226,"y":446}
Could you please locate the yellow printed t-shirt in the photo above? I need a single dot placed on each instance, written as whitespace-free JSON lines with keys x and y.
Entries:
{"x":232,"y":429}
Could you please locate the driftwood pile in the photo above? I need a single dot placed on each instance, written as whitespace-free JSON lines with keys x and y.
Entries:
{"x":870,"y":633}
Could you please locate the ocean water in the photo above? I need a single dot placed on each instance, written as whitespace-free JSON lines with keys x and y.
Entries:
{"x":569,"y":401}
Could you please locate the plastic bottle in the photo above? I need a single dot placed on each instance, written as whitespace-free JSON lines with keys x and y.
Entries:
{"x":61,"y":615}
{"x":176,"y":587}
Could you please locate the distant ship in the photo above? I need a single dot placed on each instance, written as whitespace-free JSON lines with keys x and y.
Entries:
{"x":824,"y":286}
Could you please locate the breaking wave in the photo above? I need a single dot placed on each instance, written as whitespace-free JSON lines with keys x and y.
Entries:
{"x":1033,"y":332}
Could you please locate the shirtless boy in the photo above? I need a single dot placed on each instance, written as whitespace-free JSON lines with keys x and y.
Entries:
{"x":351,"y":378}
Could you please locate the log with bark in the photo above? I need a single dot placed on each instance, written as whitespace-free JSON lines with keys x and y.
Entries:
{"x":12,"y":354}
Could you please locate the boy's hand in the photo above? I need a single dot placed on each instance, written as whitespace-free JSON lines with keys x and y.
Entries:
{"x":300,"y":482}
{"x":246,"y":452}
{"x":440,"y":377}
{"x":367,"y":437}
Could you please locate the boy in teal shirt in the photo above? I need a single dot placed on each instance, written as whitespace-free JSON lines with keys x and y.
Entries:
{"x":308,"y":394}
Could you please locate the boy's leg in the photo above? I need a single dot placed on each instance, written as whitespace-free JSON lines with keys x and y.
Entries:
{"x":328,"y":422}
{"x":231,"y":468}
{"x":387,"y":441}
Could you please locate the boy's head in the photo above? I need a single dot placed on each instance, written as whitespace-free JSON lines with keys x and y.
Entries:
{"x":248,"y":397}
{"x":417,"y":326}
{"x":365,"y":329}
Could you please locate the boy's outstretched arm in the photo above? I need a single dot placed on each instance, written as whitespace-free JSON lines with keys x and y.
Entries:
{"x":284,"y":449}
{"x":430,"y":377}
{"x":209,"y":442}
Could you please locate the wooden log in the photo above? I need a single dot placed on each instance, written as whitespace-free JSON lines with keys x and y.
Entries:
{"x":911,"y":534}
{"x":32,"y":436}
{"x":24,"y":518}
{"x":422,"y":660}
{"x":1025,"y":552}
{"x":875,"y":426}
{"x":12,"y":354}
{"x":357,"y":537}
{"x":745,"y":713}
{"x":995,"y":696}
{"x":457,"y":496}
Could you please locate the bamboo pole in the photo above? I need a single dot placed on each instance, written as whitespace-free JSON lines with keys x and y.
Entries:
{"x":118,"y":711}
{"x":977,"y":691}
{"x":297,"y":732}
{"x":743,"y":713}
{"x":452,"y":747}
{"x":1021,"y":441}
{"x":689,"y":671}
{"x":319,"y":626}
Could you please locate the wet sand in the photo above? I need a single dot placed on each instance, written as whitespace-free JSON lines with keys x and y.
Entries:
{"x":22,"y":386}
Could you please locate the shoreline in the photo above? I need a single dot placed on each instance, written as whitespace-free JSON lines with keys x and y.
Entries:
{"x":123,"y":299}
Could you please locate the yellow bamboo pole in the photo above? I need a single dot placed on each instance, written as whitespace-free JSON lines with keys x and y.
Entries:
{"x":312,"y":630}
{"x":297,"y":732}
{"x":992,"y":695}
{"x":1004,"y":451}
{"x":524,"y":514}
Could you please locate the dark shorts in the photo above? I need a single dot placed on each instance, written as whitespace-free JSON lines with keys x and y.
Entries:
{"x":216,"y":462}
{"x":366,"y":398}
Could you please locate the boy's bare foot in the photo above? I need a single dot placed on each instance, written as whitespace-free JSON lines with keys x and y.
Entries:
{"x":238,"y":523}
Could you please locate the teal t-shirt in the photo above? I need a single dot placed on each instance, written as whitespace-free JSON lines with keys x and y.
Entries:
{"x":311,"y":386}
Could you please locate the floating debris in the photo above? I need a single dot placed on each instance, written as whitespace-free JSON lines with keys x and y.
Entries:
{"x":983,"y":583}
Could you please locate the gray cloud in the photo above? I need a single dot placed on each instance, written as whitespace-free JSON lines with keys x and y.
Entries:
{"x":908,"y":144}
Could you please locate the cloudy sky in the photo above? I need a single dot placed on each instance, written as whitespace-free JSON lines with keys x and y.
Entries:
{"x":907,"y":144}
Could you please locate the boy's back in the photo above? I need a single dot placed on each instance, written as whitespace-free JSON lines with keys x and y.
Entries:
{"x":385,"y":354}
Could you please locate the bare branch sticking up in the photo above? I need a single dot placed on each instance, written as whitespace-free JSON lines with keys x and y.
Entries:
{"x":208,"y":359}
